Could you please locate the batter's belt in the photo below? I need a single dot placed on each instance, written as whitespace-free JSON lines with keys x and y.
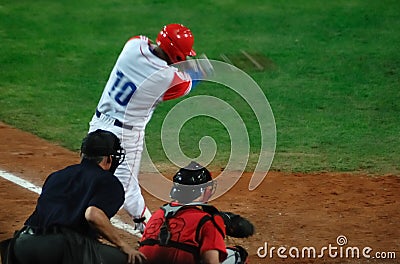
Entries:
{"x":116,"y":121}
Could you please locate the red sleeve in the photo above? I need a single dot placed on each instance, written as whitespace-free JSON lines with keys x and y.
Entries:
{"x":135,"y":37}
{"x":180,"y":86}
{"x":212,"y":239}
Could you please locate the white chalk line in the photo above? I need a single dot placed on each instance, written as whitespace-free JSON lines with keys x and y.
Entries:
{"x":116,"y":221}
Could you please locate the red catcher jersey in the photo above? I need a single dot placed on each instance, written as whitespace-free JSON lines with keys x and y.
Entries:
{"x":183,"y":228}
{"x":138,"y":82}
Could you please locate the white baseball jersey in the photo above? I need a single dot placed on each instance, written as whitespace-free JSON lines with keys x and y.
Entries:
{"x":138,"y":82}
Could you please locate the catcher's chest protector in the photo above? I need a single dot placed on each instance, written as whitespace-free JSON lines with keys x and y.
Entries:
{"x":185,"y":227}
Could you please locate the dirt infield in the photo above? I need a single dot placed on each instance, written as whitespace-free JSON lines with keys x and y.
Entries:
{"x":296,"y":212}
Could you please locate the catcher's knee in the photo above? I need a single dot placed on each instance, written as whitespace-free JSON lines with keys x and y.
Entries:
{"x":236,"y":255}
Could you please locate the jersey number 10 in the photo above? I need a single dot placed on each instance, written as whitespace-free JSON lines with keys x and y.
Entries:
{"x":122,"y":89}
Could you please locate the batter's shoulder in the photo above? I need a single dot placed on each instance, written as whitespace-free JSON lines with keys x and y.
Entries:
{"x":140,"y":38}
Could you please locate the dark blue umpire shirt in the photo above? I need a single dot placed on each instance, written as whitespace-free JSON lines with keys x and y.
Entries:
{"x":67,"y":193}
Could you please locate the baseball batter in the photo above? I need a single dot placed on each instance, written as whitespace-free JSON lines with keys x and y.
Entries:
{"x":142,"y":77}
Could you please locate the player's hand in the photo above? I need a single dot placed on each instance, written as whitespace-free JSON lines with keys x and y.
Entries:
{"x":198,"y":68}
{"x":134,"y":256}
{"x":205,"y":66}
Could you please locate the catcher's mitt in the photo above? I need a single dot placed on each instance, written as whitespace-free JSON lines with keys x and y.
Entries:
{"x":237,"y":226}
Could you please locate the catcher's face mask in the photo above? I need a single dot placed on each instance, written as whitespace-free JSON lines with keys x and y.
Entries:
{"x":191,"y":182}
{"x":209,"y":191}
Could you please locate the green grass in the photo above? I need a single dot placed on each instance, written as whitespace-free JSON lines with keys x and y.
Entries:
{"x":335,"y":90}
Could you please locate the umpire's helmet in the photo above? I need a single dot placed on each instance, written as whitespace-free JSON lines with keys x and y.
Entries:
{"x":190,"y":182}
{"x":102,"y":143}
{"x":176,"y":41}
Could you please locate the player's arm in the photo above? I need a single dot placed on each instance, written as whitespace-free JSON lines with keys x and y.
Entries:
{"x":99,"y":221}
{"x":180,"y":86}
{"x":212,"y":244}
{"x":199,"y":69}
{"x":105,"y":203}
{"x":210,"y":257}
{"x":194,"y":71}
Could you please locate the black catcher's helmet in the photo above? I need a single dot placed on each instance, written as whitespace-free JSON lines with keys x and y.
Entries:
{"x":190,"y":182}
{"x":102,"y":143}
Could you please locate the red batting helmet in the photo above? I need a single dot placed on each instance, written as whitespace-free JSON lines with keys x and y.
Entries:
{"x":176,"y":41}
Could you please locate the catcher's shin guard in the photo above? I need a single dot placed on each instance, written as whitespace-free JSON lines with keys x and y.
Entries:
{"x":236,"y":255}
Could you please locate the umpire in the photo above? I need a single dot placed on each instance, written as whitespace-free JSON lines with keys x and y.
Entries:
{"x":74,"y":211}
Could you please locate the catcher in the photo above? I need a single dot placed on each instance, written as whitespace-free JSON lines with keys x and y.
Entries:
{"x":188,"y":230}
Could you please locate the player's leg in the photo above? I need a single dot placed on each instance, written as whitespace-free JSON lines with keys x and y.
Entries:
{"x":44,"y":249}
{"x":236,"y":255}
{"x":128,"y":172}
{"x":105,"y":124}
{"x":111,"y":255}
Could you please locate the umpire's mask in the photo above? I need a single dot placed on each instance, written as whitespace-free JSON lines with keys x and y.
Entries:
{"x":102,"y":143}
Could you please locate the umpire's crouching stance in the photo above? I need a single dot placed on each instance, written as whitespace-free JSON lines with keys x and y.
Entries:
{"x":74,"y":209}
